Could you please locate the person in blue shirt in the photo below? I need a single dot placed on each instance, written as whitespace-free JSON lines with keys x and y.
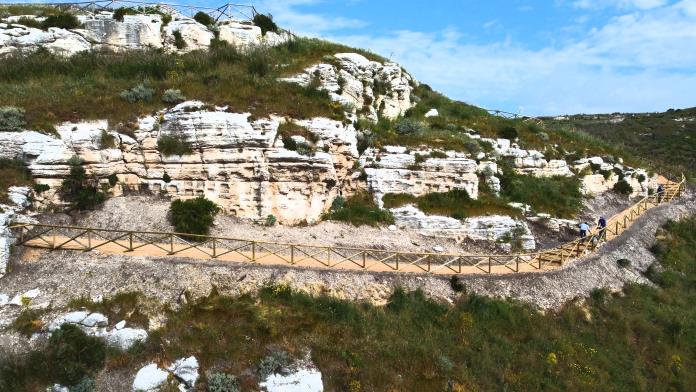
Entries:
{"x":602,"y":226}
{"x":584,"y":229}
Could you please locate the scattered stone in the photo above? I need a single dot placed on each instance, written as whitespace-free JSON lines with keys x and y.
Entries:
{"x":4,"y":299}
{"x":95,"y":320}
{"x":149,"y":378}
{"x":125,"y":338}
{"x":21,"y":299}
{"x":392,"y":227}
{"x":302,"y":380}
{"x":432,"y":113}
{"x":438,"y":249}
{"x":120,"y":325}
{"x":186,"y":370}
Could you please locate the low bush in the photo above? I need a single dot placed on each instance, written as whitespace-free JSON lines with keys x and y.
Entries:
{"x":266,"y":23}
{"x":28,"y":322}
{"x":179,"y":41}
{"x":30,"y":22}
{"x":409,"y":127}
{"x":61,"y":20}
{"x":172,"y":96}
{"x":193,"y":216}
{"x":41,"y":188}
{"x":166,"y":178}
{"x":270,"y":220}
{"x":119,"y":13}
{"x":139,"y":93}
{"x":106,"y":140}
{"x":508,"y":132}
{"x":222,"y":382}
{"x":174,"y":144}
{"x":361,"y":209}
{"x":72,"y":355}
{"x":455,"y":204}
{"x":558,"y":196}
{"x":204,"y":19}
{"x":11,"y":119}
{"x":622,"y":187}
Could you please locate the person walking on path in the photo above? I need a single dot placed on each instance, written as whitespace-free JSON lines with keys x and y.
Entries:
{"x":660,"y":192}
{"x":584,"y":229}
{"x":602,"y":226}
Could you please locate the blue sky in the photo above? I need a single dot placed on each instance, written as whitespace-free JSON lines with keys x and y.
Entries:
{"x":531,"y":57}
{"x":523,"y":56}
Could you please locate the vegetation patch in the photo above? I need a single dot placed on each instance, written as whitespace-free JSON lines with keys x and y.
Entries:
{"x":11,"y":119}
{"x":361,"y":209}
{"x":455,"y":204}
{"x":174,"y":144}
{"x":81,"y":190}
{"x":266,"y":23}
{"x":558,"y":196}
{"x":62,"y":20}
{"x":622,"y":187}
{"x":193,"y":216}
{"x":13,"y":173}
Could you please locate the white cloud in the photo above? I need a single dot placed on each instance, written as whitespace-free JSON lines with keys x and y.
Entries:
{"x":622,"y":4}
{"x":640,"y":61}
{"x":287,"y":14}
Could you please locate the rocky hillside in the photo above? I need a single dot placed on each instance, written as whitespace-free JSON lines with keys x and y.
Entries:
{"x":667,"y":140}
{"x":277,"y":128}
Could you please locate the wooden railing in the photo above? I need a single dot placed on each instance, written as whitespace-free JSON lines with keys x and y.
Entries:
{"x":150,"y":243}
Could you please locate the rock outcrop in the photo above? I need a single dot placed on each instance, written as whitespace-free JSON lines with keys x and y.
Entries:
{"x":239,"y":163}
{"x":502,"y":229}
{"x":101,"y":31}
{"x":364,"y":87}
{"x":19,"y":198}
{"x":395,"y":169}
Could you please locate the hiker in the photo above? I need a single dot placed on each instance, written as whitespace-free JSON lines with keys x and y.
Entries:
{"x":660,"y":192}
{"x":584,"y":229}
{"x":602,"y":226}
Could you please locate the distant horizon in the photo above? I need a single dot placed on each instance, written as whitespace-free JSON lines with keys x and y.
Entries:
{"x":523,"y":56}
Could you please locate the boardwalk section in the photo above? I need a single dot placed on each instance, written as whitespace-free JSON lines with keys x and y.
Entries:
{"x":225,"y":249}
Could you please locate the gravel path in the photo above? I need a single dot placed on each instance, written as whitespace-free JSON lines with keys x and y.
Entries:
{"x":62,"y":275}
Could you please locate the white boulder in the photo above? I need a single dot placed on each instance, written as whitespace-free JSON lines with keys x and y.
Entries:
{"x":301,"y":380}
{"x":149,"y":378}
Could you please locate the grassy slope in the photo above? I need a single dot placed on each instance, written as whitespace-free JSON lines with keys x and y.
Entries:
{"x":643,"y":339}
{"x":87,"y":86}
{"x":657,"y":138}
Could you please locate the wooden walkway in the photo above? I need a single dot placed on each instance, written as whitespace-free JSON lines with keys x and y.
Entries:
{"x":224,"y":249}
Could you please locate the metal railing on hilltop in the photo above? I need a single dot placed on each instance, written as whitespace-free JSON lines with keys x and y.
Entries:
{"x":225,"y":11}
{"x":147,"y":243}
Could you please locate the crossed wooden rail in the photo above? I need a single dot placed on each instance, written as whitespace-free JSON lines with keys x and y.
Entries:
{"x":260,"y":252}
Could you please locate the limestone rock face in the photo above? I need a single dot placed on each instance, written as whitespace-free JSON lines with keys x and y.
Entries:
{"x":529,"y":162}
{"x":135,"y":32}
{"x":17,"y":38}
{"x":362,"y":85}
{"x":488,"y":228}
{"x":394,"y":170}
{"x":19,"y":201}
{"x":235,"y":162}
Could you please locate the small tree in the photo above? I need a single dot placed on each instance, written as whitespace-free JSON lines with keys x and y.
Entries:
{"x":80,"y":190}
{"x":266,"y":23}
{"x":622,"y":187}
{"x":194,"y":216}
{"x":204,"y":19}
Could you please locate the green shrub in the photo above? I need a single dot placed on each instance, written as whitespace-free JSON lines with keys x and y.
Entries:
{"x":266,"y":23}
{"x":222,"y":382}
{"x":28,"y":322}
{"x":204,"y":19}
{"x":258,"y":62}
{"x":174,"y":144}
{"x":194,"y":216}
{"x":360,"y":209}
{"x":438,"y":154}
{"x":409,"y":127}
{"x":273,"y":363}
{"x":81,"y":191}
{"x":508,"y":132}
{"x":270,"y":220}
{"x":11,"y":119}
{"x":172,"y":96}
{"x":85,"y":385}
{"x":456,"y":204}
{"x":41,"y":188}
{"x":558,"y":196}
{"x":139,"y":93}
{"x":622,"y":187}
{"x":30,"y":22}
{"x":61,"y":20}
{"x":166,"y":178}
{"x":338,"y":203}
{"x":113,"y":179}
{"x":179,"y":41}
{"x":106,"y":140}
{"x":456,"y":284}
{"x":71,"y":355}
{"x":123,"y":11}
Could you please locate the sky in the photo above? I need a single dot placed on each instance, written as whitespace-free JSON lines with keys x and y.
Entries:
{"x":530,"y":57}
